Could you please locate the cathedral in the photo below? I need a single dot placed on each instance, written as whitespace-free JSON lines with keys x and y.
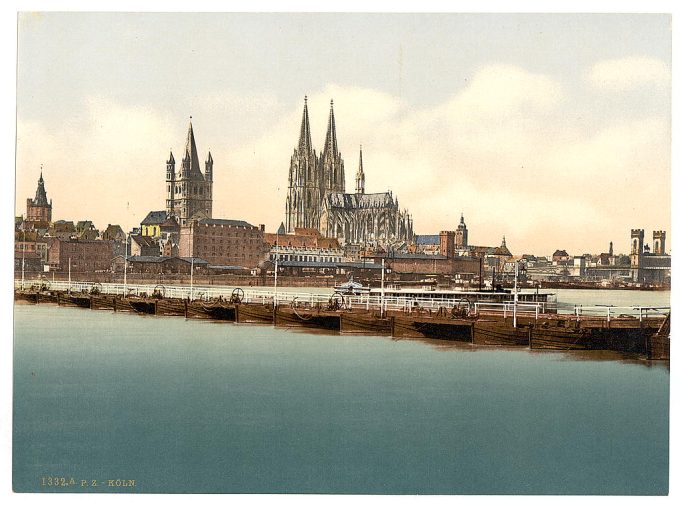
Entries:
{"x":317,"y":199}
{"x":189,"y":191}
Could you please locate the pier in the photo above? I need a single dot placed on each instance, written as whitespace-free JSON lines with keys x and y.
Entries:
{"x":644,"y":331}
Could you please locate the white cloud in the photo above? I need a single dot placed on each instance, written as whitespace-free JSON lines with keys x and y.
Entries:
{"x":502,"y":91}
{"x":626,"y":74}
{"x":100,"y":166}
{"x":502,"y":150}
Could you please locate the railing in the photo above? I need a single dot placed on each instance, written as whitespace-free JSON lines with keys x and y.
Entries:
{"x":365,"y":301}
{"x":609,"y":312}
{"x":197,"y":292}
{"x":411,"y":304}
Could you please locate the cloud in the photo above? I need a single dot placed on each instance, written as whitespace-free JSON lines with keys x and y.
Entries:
{"x":504,"y":150}
{"x":100,"y":165}
{"x":626,"y":74}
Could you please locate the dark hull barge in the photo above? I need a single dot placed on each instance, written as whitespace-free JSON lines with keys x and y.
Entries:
{"x":647,"y":335}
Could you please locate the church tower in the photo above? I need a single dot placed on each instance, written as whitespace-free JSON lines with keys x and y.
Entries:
{"x":361,"y":178}
{"x":461,"y":239}
{"x":659,"y":242}
{"x":189,"y":192}
{"x":304,"y":198}
{"x":331,"y":165}
{"x":39,"y":209}
{"x":637,"y":241}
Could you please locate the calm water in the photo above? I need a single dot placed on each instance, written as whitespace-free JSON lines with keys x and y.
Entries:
{"x":191,"y":406}
{"x":567,"y":298}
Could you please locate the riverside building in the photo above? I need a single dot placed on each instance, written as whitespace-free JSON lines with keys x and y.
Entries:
{"x":223,"y":242}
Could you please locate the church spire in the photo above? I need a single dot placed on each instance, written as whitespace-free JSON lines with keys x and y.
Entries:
{"x":190,"y":152}
{"x":332,"y":168}
{"x":305,"y":142}
{"x":331,"y":145}
{"x":209,"y":167}
{"x":40,"y":194}
{"x":361,"y":178}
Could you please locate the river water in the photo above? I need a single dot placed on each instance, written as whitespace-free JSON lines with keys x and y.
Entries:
{"x":196,"y":406}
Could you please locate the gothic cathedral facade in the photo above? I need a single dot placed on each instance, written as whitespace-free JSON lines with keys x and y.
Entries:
{"x":189,"y":191}
{"x":317,"y":199}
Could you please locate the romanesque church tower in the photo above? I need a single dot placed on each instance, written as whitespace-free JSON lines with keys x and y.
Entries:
{"x":189,"y":191}
{"x":304,"y":196}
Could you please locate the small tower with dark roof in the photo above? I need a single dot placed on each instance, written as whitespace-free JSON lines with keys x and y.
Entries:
{"x":461,"y":234}
{"x":39,"y":209}
{"x":208,"y":167}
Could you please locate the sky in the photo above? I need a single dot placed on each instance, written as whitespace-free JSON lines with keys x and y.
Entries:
{"x":552,"y":130}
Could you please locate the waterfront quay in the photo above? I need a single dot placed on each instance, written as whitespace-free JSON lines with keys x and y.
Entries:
{"x":639,"y":330}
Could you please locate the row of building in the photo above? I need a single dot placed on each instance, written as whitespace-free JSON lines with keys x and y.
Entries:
{"x":325,"y":231}
{"x":161,"y":245}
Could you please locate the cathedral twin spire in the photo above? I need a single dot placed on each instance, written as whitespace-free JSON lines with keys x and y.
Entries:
{"x":305,"y":142}
{"x":331,"y":166}
{"x":331,"y":145}
{"x":310,"y":177}
{"x":317,"y":199}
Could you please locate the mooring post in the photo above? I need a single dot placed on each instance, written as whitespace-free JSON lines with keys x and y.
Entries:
{"x":391,"y":326}
{"x":115,"y":300}
{"x":186,"y":309}
{"x":236,"y":320}
{"x":648,"y":348}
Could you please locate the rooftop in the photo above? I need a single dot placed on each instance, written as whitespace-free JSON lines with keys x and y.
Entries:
{"x":228,"y":223}
{"x":360,"y":200}
{"x":424,"y":240}
{"x":155,"y":218}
